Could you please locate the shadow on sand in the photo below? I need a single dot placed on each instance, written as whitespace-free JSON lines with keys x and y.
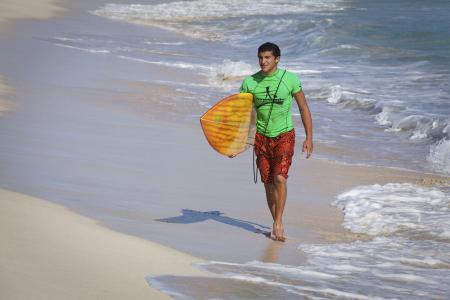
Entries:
{"x":190,"y":216}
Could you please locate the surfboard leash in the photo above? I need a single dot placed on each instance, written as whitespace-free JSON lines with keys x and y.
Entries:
{"x":255,"y":170}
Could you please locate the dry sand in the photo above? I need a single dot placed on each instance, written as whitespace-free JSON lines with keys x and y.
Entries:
{"x":49,"y":252}
{"x":11,"y":10}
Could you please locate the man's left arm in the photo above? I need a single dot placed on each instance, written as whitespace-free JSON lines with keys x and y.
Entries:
{"x":307,"y":122}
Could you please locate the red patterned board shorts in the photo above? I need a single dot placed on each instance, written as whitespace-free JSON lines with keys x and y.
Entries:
{"x":274,"y":155}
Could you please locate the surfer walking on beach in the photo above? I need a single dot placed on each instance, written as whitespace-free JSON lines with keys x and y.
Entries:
{"x":273,"y":90}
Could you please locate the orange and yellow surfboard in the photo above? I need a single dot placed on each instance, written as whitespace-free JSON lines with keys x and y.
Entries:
{"x":229,"y":126}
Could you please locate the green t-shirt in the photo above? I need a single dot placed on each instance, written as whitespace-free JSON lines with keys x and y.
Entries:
{"x":263,"y":89}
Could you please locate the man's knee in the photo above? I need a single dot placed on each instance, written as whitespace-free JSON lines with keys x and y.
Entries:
{"x":270,"y":186}
{"x":279,"y":179}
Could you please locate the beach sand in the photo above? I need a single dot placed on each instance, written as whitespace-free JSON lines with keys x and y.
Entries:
{"x":49,"y":252}
{"x":13,"y":10}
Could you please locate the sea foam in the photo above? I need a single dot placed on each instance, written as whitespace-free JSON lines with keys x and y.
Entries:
{"x":440,"y":156}
{"x":386,"y":209}
{"x":184,"y":16}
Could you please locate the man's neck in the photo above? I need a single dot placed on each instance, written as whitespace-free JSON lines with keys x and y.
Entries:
{"x":270,"y":72}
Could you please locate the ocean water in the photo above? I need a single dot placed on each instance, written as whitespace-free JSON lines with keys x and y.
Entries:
{"x":375,"y":76}
{"x":408,"y":256}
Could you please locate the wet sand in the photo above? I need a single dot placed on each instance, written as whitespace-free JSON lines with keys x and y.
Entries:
{"x":12,"y":11}
{"x":50,"y":252}
{"x":5,"y":94}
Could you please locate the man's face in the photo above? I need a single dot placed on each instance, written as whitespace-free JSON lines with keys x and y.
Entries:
{"x":268,"y":62}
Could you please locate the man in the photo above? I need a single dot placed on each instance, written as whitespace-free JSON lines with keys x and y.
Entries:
{"x":273,"y":90}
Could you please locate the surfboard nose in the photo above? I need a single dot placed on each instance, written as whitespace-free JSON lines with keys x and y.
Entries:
{"x":229,"y":126}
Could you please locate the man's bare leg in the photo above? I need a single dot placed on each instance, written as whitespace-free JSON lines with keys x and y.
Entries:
{"x":280,"y":184}
{"x":276,"y":198}
{"x":270,"y":196}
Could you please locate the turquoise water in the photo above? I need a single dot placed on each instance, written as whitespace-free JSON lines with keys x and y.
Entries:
{"x":376,"y":74}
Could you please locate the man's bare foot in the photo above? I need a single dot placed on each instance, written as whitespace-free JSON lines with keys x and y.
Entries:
{"x":278,"y":232}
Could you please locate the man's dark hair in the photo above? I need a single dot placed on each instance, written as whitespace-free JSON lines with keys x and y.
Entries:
{"x":270,"y":47}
